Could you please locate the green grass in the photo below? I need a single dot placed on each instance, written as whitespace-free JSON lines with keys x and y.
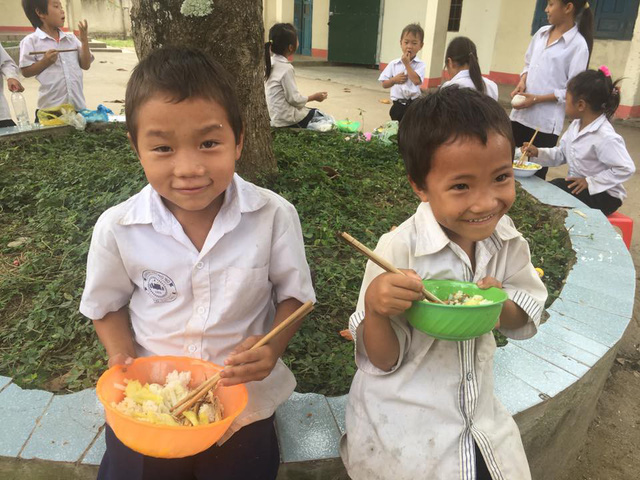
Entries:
{"x":117,"y":42}
{"x":53,"y":189}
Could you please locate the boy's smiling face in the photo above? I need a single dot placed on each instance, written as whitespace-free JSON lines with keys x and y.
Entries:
{"x":470,"y":186}
{"x":188,"y":152}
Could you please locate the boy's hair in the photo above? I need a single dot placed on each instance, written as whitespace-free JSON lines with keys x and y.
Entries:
{"x":449,"y":114}
{"x":31,"y":9}
{"x":415,"y":29}
{"x":281,"y":37}
{"x":180,"y":73}
{"x":597,"y":89}
{"x":463,"y":52}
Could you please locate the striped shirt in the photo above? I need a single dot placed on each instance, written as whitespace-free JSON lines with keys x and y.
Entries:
{"x":421,"y":419}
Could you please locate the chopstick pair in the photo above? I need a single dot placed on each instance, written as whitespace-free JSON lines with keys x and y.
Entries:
{"x":525,"y":156}
{"x":384,"y":264}
{"x":59,"y":51}
{"x":187,"y":402}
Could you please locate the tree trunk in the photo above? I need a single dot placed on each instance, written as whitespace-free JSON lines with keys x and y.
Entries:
{"x":232,"y":32}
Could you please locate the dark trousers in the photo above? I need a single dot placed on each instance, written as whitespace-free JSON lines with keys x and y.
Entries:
{"x":482,"y":472}
{"x":7,"y":123}
{"x":399,"y":108}
{"x":305,"y":121}
{"x":523,"y":134}
{"x":600,"y":201}
{"x":250,"y":454}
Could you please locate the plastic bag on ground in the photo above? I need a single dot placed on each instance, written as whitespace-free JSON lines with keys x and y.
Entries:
{"x":321,"y":122}
{"x":99,"y":115}
{"x":63,"y":114}
{"x":388,"y":132}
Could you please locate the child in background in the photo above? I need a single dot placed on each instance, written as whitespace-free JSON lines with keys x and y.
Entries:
{"x":557,"y":52}
{"x":59,"y":73}
{"x":9,"y":69}
{"x":596,"y":155}
{"x":421,"y":407}
{"x":199,"y":263}
{"x":286,"y":104}
{"x":404,"y":75}
{"x":464,"y":70}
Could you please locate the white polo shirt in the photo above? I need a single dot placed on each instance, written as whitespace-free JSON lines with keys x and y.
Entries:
{"x":407,"y":90}
{"x":201,"y":304}
{"x":421,"y":419}
{"x":9,"y":69}
{"x":285,"y":103}
{"x":596,"y":153}
{"x":61,"y":82}
{"x":549,"y":69}
{"x":463,"y":79}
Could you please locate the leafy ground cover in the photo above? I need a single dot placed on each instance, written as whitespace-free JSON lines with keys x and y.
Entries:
{"x":53,"y":189}
{"x":117,"y":42}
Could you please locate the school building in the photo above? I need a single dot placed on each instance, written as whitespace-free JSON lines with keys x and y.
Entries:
{"x":367,"y":32}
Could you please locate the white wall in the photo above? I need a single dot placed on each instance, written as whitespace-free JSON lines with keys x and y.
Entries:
{"x":110,"y":17}
{"x":320,"y":27}
{"x":398,"y":14}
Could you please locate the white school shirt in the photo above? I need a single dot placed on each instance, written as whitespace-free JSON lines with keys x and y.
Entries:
{"x":201,"y":304}
{"x":9,"y":69}
{"x":548,"y":70}
{"x":407,"y":90}
{"x":463,"y":79}
{"x":420,"y":419}
{"x":285,"y":103}
{"x":596,"y":153}
{"x":61,"y":82}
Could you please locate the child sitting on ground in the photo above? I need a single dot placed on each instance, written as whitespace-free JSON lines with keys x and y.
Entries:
{"x":463,"y":67}
{"x":199,"y":263}
{"x":421,"y":407}
{"x":598,"y":160}
{"x":9,"y":69}
{"x":286,"y":104}
{"x":59,"y":72}
{"x":405,"y":75}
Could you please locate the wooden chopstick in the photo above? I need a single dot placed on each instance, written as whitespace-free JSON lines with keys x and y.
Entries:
{"x":382,"y":263}
{"x":59,"y":51}
{"x":187,"y":402}
{"x":525,"y":156}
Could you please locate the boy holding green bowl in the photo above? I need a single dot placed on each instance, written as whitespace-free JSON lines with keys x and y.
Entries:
{"x":420,"y":407}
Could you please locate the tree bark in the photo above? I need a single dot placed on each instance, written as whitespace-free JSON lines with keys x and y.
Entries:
{"x":233,"y":34}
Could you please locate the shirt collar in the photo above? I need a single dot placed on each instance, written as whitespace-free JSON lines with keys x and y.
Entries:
{"x":280,"y":58}
{"x":399,"y":60}
{"x":567,"y":36}
{"x":431,"y":237}
{"x":592,"y":127}
{"x":461,"y":74}
{"x":42,"y":34}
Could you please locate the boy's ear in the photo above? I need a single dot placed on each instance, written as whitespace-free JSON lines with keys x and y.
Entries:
{"x":133,"y":145}
{"x":239,"y":146}
{"x":581,"y":105}
{"x":421,"y":193}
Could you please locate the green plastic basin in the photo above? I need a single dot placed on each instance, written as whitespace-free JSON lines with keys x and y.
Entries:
{"x":347,"y":126}
{"x":456,"y":322}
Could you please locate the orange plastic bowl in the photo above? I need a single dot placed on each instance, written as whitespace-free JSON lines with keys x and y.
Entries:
{"x":167,"y":441}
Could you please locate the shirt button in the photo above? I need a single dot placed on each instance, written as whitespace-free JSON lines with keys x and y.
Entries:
{"x":199,"y":265}
{"x":192,"y":348}
{"x":201,"y":310}
{"x":469,"y":376}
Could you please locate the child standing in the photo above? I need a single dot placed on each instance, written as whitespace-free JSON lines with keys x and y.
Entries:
{"x":597,"y":157}
{"x":59,"y":73}
{"x":286,"y":104}
{"x":404,"y":75}
{"x":9,"y":69}
{"x":464,"y":70}
{"x":557,"y":52}
{"x":421,"y":407}
{"x":199,"y":263}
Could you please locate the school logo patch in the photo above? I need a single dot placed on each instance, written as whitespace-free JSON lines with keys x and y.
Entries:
{"x":159,"y":286}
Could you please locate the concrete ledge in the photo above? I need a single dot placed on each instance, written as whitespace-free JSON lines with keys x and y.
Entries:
{"x":550,"y":383}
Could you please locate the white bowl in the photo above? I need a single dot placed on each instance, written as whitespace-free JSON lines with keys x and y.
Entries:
{"x":525,"y":172}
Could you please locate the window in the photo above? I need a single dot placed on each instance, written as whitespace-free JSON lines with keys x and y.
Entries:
{"x":614,"y":19}
{"x":455,"y":13}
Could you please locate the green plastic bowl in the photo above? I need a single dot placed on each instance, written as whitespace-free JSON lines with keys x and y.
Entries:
{"x":456,"y":322}
{"x":347,"y":126}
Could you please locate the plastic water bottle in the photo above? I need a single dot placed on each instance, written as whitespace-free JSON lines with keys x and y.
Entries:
{"x":20,"y":110}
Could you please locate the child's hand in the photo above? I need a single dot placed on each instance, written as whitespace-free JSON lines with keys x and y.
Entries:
{"x":577,"y":184}
{"x":319,"y":96}
{"x":392,"y":293}
{"x":14,"y":85}
{"x":530,"y":150}
{"x":406,"y":58}
{"x":50,"y":57}
{"x":528,"y":101}
{"x":120,"y":359}
{"x":520,"y":88}
{"x":488,"y":282}
{"x":400,"y":78}
{"x":84,"y":31}
{"x":242,"y":365}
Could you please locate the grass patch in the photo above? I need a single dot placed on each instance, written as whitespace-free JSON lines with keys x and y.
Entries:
{"x":117,"y":42}
{"x":53,"y":189}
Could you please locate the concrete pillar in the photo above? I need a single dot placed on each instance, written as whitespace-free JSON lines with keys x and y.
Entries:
{"x":630,"y":88}
{"x":435,"y":40}
{"x":73,"y":12}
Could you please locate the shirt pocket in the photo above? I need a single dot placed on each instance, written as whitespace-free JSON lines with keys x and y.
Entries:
{"x":246,"y":291}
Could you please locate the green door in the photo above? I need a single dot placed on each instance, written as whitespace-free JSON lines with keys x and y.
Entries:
{"x":353,"y":31}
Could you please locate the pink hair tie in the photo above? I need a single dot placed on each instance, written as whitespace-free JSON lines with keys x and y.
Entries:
{"x":604,"y":69}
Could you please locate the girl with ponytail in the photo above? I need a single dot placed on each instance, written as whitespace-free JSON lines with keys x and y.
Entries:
{"x":463,"y":67}
{"x":596,"y":155}
{"x":286,"y":104}
{"x":557,"y":52}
